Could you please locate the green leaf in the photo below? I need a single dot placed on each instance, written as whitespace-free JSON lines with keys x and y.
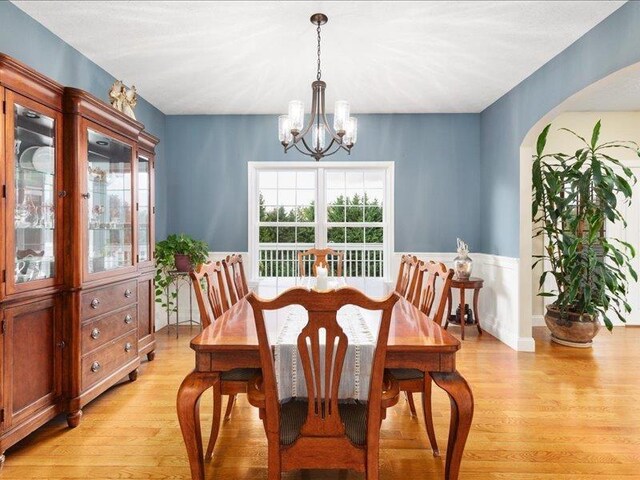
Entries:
{"x":542,"y":140}
{"x":595,"y":134}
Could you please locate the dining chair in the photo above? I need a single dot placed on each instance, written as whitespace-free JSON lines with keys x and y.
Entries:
{"x":407,"y":281}
{"x":437,"y":286}
{"x":211,"y":295}
{"x":310,"y":259}
{"x":320,"y":431}
{"x":236,"y":280}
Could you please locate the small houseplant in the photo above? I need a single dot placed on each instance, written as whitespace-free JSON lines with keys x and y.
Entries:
{"x":574,"y":195}
{"x":179,"y":252}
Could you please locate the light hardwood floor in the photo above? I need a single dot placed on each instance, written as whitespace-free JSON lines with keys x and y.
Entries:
{"x":558,"y":414}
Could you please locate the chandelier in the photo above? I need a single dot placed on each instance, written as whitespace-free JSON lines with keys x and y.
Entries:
{"x":291,"y":128}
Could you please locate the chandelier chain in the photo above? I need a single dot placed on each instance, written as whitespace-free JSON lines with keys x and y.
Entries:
{"x":319,"y":75}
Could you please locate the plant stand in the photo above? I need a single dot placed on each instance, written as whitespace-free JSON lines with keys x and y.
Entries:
{"x":474,"y":284}
{"x":178,"y":281}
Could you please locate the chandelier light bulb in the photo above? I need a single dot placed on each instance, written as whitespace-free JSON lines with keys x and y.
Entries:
{"x":341,"y":116}
{"x":296,"y":116}
{"x":318,"y":137}
{"x":351,"y":133}
{"x":284,"y":130}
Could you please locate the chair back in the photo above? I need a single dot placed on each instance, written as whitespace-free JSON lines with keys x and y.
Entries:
{"x":208,"y":285}
{"x":322,"y":372}
{"x":235,"y":277}
{"x":310,"y":259}
{"x":407,"y":283}
{"x":436,"y":286}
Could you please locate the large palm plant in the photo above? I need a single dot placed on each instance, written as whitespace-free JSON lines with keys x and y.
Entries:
{"x":574,"y":195}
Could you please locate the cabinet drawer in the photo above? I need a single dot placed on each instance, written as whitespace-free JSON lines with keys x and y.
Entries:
{"x":104,"y":329}
{"x":99,"y":364}
{"x":103,"y":300}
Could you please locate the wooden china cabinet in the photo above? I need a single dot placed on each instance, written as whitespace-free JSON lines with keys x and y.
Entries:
{"x":76,"y":237}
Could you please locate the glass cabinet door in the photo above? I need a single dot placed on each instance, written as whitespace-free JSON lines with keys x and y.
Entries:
{"x":109,"y":190}
{"x":33,"y":180}
{"x":144,"y":209}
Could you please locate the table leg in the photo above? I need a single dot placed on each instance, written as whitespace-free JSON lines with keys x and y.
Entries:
{"x":462,"y":321}
{"x":476,"y":294}
{"x":449,"y":307}
{"x":188,"y":407}
{"x":461,"y":400}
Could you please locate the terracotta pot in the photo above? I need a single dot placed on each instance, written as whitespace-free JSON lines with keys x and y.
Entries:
{"x":572,"y":329}
{"x":183,"y":264}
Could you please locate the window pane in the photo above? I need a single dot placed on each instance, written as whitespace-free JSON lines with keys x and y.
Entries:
{"x":268,"y":179}
{"x":306,"y":235}
{"x":373,"y":214}
{"x":374,"y":196}
{"x":268,"y":235}
{"x":355,"y":197}
{"x":355,"y":214}
{"x":306,"y":197}
{"x":286,"y":197}
{"x":269,"y":196}
{"x":307,"y":180}
{"x":355,"y":235}
{"x":287,"y":214}
{"x":373,"y":235}
{"x":335,"y":214}
{"x":374,"y":179}
{"x":286,"y":234}
{"x":305,"y":214}
{"x":336,"y":197}
{"x":268,"y":213}
{"x":335,"y":235}
{"x":286,"y":180}
{"x":355,"y":180}
{"x":334,"y":180}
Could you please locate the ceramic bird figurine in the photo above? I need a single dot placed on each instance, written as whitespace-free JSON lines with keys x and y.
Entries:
{"x":123,"y":99}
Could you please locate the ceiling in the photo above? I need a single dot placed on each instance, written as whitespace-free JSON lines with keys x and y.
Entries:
{"x":197,"y":57}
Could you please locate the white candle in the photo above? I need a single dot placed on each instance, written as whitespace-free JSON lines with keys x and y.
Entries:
{"x":321,"y":278}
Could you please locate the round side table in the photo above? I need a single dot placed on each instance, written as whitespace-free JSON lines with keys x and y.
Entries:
{"x":473,"y":283}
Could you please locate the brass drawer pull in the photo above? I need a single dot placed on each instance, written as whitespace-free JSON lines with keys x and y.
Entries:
{"x":95,"y":366}
{"x":128,"y":293}
{"x":128,"y":319}
{"x":95,"y":333}
{"x":127,"y":347}
{"x":94,"y":303}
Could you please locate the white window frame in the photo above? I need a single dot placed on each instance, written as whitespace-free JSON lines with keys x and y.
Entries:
{"x":321,"y":229}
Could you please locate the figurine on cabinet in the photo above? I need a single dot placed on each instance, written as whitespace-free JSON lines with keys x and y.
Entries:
{"x":123,"y":99}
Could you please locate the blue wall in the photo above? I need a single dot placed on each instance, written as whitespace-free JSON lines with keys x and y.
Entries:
{"x":611,"y":45}
{"x":436,"y":174}
{"x":28,"y":41}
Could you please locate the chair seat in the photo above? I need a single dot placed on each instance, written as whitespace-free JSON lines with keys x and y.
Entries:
{"x":406,"y":373}
{"x":240,"y":374}
{"x":294,"y":413}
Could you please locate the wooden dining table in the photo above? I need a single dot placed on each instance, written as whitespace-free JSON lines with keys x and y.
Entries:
{"x":414,"y":342}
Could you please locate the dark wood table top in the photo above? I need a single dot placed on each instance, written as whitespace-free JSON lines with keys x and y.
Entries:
{"x":471,"y":282}
{"x":410,"y":330}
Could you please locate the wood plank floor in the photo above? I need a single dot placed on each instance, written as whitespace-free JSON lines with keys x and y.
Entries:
{"x":558,"y":414}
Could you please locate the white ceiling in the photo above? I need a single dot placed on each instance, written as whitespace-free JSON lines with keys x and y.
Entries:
{"x":197,"y":57}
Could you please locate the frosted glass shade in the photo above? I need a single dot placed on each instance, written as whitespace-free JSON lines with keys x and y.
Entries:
{"x":351,"y":131}
{"x":318,"y":137}
{"x":284,"y":129}
{"x":341,"y":115}
{"x":296,"y":115}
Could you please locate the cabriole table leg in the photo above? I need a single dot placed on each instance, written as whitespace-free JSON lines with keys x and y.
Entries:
{"x":461,"y":400}
{"x":188,"y":406}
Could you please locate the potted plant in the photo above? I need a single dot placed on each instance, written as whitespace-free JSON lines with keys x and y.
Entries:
{"x":574,"y":195}
{"x":179,"y":252}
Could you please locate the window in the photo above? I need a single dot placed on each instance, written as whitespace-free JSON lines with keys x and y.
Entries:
{"x":346,"y":206}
